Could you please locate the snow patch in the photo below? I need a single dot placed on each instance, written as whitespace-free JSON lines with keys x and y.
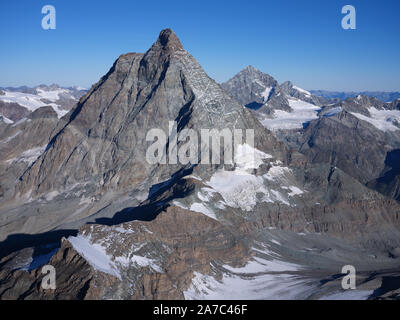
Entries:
{"x":6,"y":120}
{"x":201,"y":208}
{"x":265,"y":94}
{"x":302,"y":113}
{"x":95,"y":255}
{"x":139,"y":261}
{"x":383,"y":120}
{"x":333,"y":111}
{"x":247,"y":157}
{"x":28,"y":156}
{"x":11,"y":137}
{"x":295,"y":191}
{"x":307,"y":93}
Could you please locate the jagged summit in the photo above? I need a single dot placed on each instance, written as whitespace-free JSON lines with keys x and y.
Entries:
{"x":254,"y":72}
{"x":167,"y":40}
{"x":250,"y":68}
{"x":251,"y":85}
{"x":167,"y":43}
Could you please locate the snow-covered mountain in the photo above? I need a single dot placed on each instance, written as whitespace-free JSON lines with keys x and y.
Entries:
{"x":284,"y":106}
{"x":16,"y":103}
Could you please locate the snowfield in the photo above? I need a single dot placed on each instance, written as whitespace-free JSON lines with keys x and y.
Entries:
{"x":242,"y":189}
{"x":302,"y":91}
{"x":302,"y":113}
{"x":95,"y":255}
{"x":235,"y":287}
{"x":41,"y":99}
{"x":381,"y":119}
{"x":260,"y":279}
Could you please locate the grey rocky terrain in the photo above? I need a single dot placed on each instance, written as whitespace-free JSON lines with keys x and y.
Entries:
{"x":360,"y":135}
{"x":276,"y":223}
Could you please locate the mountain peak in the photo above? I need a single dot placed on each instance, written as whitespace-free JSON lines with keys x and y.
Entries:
{"x":253,"y":72}
{"x":287,"y":84}
{"x":169,"y":41}
{"x":250,"y":69}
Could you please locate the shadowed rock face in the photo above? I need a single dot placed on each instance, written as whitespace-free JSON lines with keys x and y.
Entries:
{"x":13,"y":111}
{"x":389,"y":181}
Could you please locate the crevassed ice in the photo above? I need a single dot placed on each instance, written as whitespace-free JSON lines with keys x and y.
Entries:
{"x":303,"y":112}
{"x":247,"y":157}
{"x":260,"y":278}
{"x":232,"y":287}
{"x":242,"y":189}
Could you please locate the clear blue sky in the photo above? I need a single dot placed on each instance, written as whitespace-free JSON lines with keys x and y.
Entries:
{"x":297,"y":40}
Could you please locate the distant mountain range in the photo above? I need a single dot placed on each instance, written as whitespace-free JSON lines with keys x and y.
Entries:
{"x":380,"y":95}
{"x":18,"y":102}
